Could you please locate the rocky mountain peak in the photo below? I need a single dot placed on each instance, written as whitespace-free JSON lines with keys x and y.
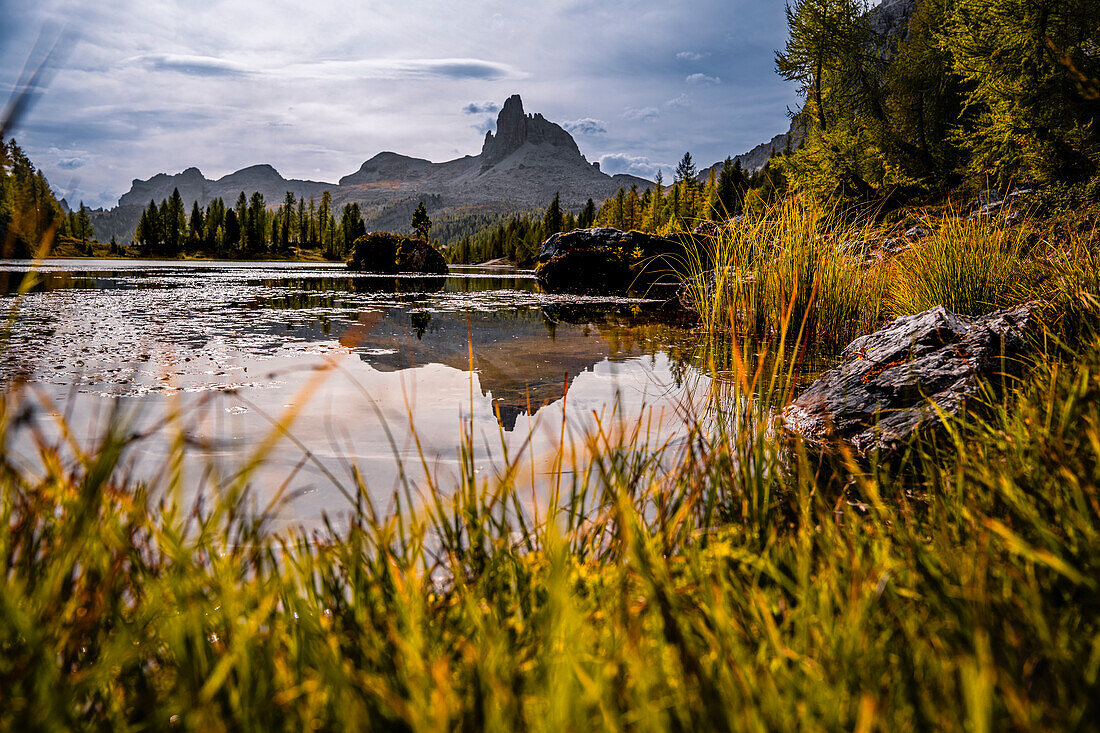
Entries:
{"x":515,"y":129}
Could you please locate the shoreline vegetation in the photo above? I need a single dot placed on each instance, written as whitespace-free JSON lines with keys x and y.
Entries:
{"x":743,"y":579}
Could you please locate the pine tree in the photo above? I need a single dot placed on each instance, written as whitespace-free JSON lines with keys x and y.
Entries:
{"x":685,"y":171}
{"x":175,"y":223}
{"x":552,"y":220}
{"x":587,"y":216}
{"x":324,"y":213}
{"x":656,"y":204}
{"x":84,"y":225}
{"x":241,"y":210}
{"x":728,"y":188}
{"x":231,"y":234}
{"x":421,"y":224}
{"x":195,"y":227}
{"x":303,"y":223}
{"x":632,"y":209}
{"x":1030,"y":68}
{"x":256,"y":228}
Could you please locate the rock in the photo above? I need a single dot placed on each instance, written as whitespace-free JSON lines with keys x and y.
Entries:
{"x":595,"y":260}
{"x":896,"y":245}
{"x":916,"y":233}
{"x":706,"y":229}
{"x":515,"y":129}
{"x":713,"y":228}
{"x":993,"y":202}
{"x":386,"y":253}
{"x":890,"y":383}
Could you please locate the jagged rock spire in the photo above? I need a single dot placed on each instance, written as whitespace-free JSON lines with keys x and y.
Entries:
{"x":514,"y":129}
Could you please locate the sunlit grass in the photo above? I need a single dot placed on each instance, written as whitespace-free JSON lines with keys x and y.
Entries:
{"x":793,"y":265}
{"x":731,"y":581}
{"x":970,"y":266}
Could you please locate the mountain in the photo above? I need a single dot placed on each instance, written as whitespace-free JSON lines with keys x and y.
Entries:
{"x":756,"y":158}
{"x":520,"y":167}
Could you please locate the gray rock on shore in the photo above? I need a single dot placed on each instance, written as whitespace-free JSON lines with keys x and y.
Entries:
{"x":896,"y":381}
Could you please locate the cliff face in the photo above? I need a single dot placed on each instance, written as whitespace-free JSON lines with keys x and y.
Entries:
{"x":514,"y":130}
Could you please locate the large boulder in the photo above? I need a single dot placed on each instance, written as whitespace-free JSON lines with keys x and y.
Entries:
{"x":386,"y":253}
{"x":896,"y":381}
{"x":596,"y":260}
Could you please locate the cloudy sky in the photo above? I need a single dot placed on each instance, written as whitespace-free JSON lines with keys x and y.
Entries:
{"x":315,"y":88}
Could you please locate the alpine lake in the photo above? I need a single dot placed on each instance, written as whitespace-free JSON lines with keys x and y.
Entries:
{"x":317,"y":380}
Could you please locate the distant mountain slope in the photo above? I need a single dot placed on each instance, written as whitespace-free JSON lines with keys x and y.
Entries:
{"x":522,"y":165}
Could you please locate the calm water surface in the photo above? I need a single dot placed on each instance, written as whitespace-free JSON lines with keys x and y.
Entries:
{"x":378,"y":374}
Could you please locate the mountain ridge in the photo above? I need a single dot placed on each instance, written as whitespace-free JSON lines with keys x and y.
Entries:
{"x":523,"y":164}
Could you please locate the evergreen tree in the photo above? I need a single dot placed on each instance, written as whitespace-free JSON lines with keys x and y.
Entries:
{"x":632,"y":209}
{"x":351,"y":225}
{"x":685,"y":171}
{"x":1030,"y":68}
{"x":587,"y":215}
{"x":324,"y":213}
{"x":728,"y":189}
{"x":421,"y":224}
{"x":195,"y":227}
{"x":552,"y":220}
{"x":256,"y":226}
{"x":83,"y":230}
{"x":241,"y":210}
{"x":232,"y":230}
{"x":175,"y":223}
{"x":303,"y":224}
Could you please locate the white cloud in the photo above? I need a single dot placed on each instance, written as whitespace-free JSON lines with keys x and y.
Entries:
{"x":679,"y":102}
{"x":67,"y":160}
{"x":635,"y":165}
{"x":586,"y":126}
{"x":690,"y":56}
{"x":641,"y":114}
{"x":702,"y":79}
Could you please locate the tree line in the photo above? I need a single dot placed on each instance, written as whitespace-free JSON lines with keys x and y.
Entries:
{"x":520,"y":236}
{"x":971,"y":91}
{"x":250,"y":228}
{"x":664,"y":211}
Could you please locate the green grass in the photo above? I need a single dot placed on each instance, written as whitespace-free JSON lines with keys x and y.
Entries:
{"x":752,"y":588}
{"x":789,"y":266}
{"x":970,"y":266}
{"x":755,"y":586}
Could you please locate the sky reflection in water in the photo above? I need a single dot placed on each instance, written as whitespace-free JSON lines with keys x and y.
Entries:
{"x":232,"y":347}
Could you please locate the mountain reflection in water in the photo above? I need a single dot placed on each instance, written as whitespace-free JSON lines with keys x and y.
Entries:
{"x":231,"y":346}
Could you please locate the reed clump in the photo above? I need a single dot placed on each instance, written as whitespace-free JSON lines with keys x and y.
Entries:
{"x":969,"y":265}
{"x":731,"y":581}
{"x":796,"y":265}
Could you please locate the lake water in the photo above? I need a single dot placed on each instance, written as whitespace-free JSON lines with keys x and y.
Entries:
{"x":376,"y":375}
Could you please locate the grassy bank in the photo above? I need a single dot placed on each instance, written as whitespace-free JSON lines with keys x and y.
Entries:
{"x":754,"y":586}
